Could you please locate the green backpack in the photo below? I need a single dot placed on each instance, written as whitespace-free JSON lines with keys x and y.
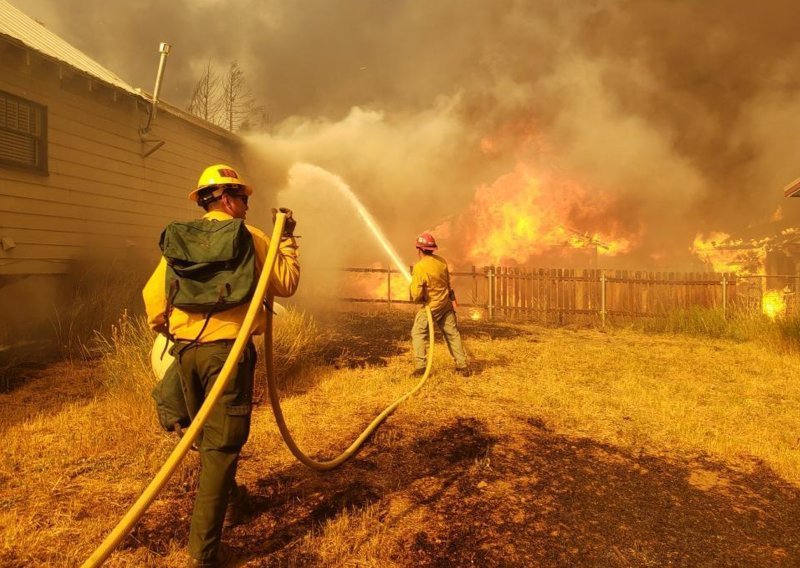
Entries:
{"x":210,"y":265}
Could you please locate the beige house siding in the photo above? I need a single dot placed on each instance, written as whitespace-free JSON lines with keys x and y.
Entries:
{"x":101,"y":196}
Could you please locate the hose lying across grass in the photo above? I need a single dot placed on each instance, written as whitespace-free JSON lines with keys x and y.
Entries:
{"x":193,"y":431}
{"x":348,"y":453}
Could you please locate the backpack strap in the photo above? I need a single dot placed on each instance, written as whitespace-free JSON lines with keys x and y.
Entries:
{"x":221,"y":289}
{"x":173,"y":289}
{"x":171,"y":293}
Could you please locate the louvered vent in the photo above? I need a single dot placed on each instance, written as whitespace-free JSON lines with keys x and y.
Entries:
{"x":23,"y":133}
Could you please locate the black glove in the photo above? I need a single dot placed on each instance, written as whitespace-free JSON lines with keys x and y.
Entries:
{"x":289,"y":224}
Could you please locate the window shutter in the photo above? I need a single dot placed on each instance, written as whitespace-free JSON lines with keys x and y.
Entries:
{"x":23,"y":140}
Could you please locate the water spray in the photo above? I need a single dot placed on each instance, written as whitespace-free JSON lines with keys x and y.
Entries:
{"x":345,"y":190}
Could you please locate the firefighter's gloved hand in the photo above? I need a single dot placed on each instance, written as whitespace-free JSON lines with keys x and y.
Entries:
{"x":289,"y":224}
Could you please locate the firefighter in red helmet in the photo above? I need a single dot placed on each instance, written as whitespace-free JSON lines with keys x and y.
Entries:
{"x":430,"y":284}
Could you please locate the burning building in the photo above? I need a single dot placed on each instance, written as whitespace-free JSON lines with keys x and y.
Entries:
{"x":765,"y":259}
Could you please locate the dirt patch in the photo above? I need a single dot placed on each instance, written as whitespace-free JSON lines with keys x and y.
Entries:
{"x":492,"y":330}
{"x":23,"y":361}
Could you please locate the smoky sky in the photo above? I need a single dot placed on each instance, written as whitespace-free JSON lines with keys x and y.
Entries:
{"x":686,"y":113}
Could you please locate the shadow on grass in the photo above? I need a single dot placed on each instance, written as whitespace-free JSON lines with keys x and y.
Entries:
{"x":298,"y":501}
{"x":557,"y":501}
{"x":535,"y":499}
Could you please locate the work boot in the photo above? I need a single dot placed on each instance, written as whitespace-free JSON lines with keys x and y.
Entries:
{"x":464,"y":371}
{"x":224,"y":557}
{"x":417,"y":372}
{"x":237,"y":502}
{"x":195,"y":563}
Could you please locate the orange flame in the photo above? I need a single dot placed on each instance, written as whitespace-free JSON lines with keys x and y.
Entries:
{"x":526,"y":213}
{"x":726,"y":255}
{"x":374,"y":285}
{"x":399,"y":287}
{"x":773,"y":304}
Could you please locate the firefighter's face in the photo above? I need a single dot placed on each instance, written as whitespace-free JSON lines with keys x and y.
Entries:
{"x":235,"y":204}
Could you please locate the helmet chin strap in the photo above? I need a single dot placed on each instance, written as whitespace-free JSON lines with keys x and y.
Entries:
{"x":206,"y":201}
{"x":210,"y":197}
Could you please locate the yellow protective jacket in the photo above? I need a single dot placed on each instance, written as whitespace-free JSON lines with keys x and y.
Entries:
{"x":430,"y":283}
{"x":224,"y":324}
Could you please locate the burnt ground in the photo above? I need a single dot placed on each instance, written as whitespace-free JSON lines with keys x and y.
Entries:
{"x":354,"y":339}
{"x":535,"y":498}
{"x":21,"y":363}
{"x":47,"y":387}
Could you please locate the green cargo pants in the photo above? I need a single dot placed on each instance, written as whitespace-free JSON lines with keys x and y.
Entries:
{"x":452,"y":337}
{"x":222,"y":437}
{"x":170,"y":402}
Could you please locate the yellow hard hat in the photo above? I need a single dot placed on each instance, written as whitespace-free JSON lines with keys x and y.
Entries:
{"x":221,"y":176}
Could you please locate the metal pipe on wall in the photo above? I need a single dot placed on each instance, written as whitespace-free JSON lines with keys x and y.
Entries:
{"x":163,"y":49}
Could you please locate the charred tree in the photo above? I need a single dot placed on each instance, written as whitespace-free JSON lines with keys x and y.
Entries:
{"x":205,"y":101}
{"x":238,"y":104}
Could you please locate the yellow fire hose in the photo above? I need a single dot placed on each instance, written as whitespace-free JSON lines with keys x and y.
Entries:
{"x":124,"y":526}
{"x":348,"y":453}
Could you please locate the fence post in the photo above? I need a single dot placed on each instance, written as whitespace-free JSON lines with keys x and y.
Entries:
{"x":389,"y":286}
{"x":602,"y":298}
{"x":491,"y":284}
{"x":724,"y":296}
{"x":474,"y":285}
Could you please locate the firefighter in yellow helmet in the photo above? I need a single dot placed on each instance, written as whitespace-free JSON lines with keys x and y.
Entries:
{"x":430,"y":284}
{"x":203,"y":337}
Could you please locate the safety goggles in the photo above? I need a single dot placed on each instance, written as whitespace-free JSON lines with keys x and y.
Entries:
{"x":244,"y":198}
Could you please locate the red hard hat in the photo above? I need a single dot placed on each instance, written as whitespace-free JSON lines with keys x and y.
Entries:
{"x":426,"y":242}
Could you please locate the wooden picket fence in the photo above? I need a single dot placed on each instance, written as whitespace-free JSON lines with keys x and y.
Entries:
{"x":561,"y":295}
{"x":564,"y":296}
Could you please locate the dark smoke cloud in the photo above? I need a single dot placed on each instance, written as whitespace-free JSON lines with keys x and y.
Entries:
{"x":686,"y":113}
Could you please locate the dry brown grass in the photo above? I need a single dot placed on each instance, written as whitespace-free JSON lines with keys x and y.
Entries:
{"x":89,"y":442}
{"x":95,"y":293}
